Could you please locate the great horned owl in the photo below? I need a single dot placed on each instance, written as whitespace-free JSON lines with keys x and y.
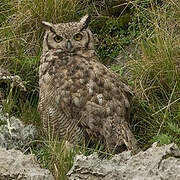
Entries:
{"x":79,"y":96}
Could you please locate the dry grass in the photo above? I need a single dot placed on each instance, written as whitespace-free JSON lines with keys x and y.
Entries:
{"x":156,"y":77}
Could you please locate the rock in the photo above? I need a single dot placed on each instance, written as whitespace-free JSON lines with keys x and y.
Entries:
{"x":15,"y":165}
{"x":5,"y":76}
{"x":156,"y":163}
{"x":14,"y":134}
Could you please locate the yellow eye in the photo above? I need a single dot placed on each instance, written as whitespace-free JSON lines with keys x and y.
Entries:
{"x":78,"y":36}
{"x":58,"y":39}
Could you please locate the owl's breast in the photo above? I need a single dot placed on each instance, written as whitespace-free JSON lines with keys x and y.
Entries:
{"x":76,"y":80}
{"x":65,"y":75}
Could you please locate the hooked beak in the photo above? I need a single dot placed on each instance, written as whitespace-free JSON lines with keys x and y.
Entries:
{"x":69,"y":45}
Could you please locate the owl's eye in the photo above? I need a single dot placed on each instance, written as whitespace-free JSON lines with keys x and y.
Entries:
{"x":78,"y":36}
{"x":58,"y":39}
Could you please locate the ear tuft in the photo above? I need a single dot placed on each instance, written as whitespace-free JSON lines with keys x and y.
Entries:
{"x":46,"y":25}
{"x":85,"y":20}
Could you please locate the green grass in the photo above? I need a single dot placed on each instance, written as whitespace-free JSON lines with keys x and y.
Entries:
{"x":156,"y":77}
{"x":154,"y":74}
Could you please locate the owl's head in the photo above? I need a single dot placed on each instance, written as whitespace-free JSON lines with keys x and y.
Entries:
{"x":68,"y":37}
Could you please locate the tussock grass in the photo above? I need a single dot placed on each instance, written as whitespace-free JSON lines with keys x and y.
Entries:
{"x":156,"y":76}
{"x":58,"y":156}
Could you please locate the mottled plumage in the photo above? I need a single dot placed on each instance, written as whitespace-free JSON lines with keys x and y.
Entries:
{"x":79,"y":96}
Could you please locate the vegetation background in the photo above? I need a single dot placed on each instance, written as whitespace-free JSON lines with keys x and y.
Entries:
{"x":139,"y":39}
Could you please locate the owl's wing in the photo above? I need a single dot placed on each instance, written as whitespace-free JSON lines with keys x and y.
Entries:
{"x":122,"y":81}
{"x":107,"y":111}
{"x":112,"y":83}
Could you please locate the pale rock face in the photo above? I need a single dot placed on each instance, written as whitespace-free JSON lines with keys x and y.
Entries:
{"x":15,"y":165}
{"x":156,"y":163}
